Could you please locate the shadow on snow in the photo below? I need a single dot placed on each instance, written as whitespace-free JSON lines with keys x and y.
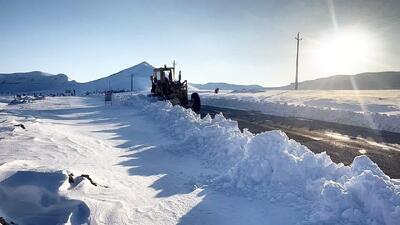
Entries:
{"x":31,"y":197}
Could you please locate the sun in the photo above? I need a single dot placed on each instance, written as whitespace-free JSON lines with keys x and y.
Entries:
{"x":345,"y":51}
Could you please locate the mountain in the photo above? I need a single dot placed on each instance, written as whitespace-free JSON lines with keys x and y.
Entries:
{"x":362,"y":81}
{"x":35,"y":81}
{"x":226,"y":86}
{"x":140,"y":75}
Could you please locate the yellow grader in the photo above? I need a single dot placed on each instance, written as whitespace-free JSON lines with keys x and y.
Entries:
{"x":164,"y":86}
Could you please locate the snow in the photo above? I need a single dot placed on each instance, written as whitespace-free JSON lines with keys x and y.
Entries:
{"x":217,"y":140}
{"x":33,"y":198}
{"x":269,"y":164}
{"x":372,"y":109}
{"x":226,"y":86}
{"x":286,"y":171}
{"x":161,"y":164}
{"x":140,"y":75}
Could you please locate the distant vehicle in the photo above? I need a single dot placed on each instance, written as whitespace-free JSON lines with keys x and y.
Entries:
{"x":166,"y":87}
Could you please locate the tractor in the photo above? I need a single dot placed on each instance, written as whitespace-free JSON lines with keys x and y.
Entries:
{"x":164,"y":86}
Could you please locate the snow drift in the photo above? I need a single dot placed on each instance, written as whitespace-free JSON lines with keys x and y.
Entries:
{"x":272,"y":167}
{"x":368,"y":119}
{"x":32,"y":197}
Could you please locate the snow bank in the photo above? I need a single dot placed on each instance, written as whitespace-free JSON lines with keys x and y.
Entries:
{"x":286,"y":171}
{"x":217,"y":141}
{"x":32,"y":197}
{"x":373,"y":120}
{"x":270,"y":166}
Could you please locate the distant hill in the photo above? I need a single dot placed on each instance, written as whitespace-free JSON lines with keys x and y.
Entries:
{"x":35,"y":81}
{"x":226,"y":86}
{"x":362,"y":81}
{"x":122,"y":80}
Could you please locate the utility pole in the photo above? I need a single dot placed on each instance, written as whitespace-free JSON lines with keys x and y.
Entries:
{"x":131,"y":82}
{"x":296,"y":85}
{"x":173,"y":65}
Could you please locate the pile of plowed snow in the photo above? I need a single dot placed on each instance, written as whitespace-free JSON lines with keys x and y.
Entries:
{"x":270,"y":166}
{"x":379,"y":111}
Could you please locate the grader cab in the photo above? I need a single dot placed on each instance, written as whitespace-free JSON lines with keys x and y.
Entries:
{"x":165,"y":86}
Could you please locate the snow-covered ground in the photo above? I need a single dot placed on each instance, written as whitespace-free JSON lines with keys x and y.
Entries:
{"x":376,"y":109}
{"x":154,"y":163}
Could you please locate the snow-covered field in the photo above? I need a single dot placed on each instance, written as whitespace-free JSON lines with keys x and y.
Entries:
{"x":376,"y":109}
{"x":154,"y":163}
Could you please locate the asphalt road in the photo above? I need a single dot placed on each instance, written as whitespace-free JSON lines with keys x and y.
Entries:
{"x":341,"y":142}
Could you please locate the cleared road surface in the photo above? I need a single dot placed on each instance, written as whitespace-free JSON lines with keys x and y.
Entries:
{"x":341,"y":142}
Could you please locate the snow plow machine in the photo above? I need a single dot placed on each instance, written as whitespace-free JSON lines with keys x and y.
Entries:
{"x":164,"y":86}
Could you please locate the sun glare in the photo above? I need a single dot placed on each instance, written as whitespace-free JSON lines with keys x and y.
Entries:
{"x":345,"y":51}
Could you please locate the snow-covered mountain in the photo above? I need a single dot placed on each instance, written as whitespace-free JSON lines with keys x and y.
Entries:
{"x":140,"y":75}
{"x":35,"y":81}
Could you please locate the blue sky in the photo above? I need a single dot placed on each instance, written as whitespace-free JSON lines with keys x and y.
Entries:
{"x":231,"y":41}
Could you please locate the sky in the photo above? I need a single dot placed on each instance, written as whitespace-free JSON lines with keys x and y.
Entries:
{"x":243,"y":42}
